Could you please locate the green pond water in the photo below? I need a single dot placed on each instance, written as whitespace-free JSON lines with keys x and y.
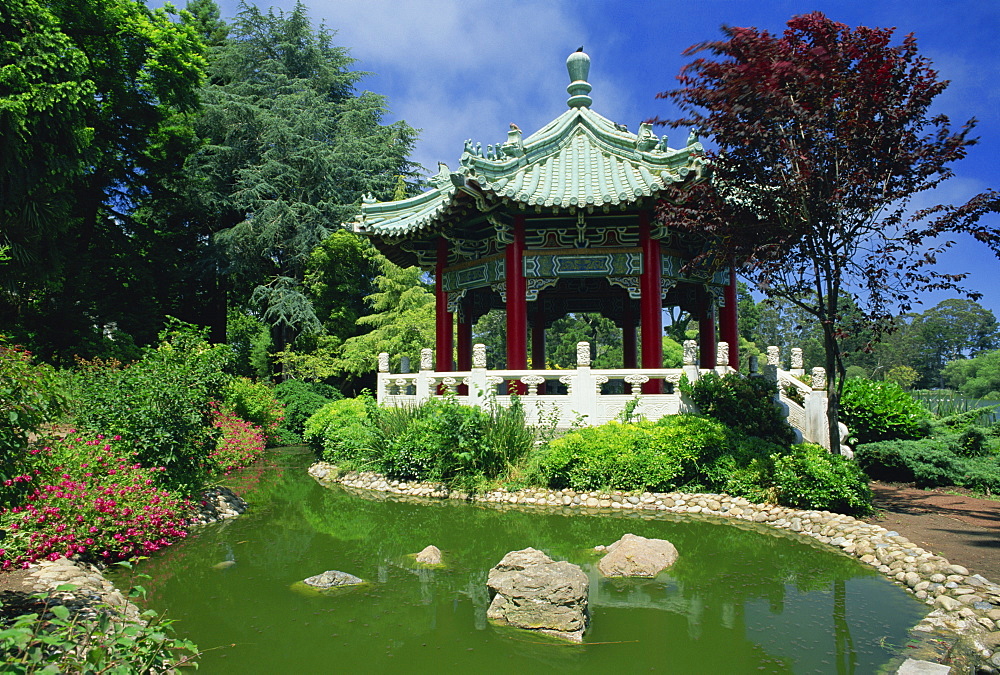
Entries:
{"x":739,"y":600}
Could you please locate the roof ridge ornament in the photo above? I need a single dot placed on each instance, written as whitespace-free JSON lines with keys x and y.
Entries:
{"x":578,"y":65}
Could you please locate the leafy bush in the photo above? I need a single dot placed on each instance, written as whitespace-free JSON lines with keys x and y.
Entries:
{"x":46,"y":636}
{"x":439,"y":440}
{"x":809,"y":477}
{"x":877,"y":411}
{"x":645,"y":455}
{"x":442,"y":440}
{"x":30,"y":396}
{"x":301,"y":399}
{"x":744,"y":469}
{"x":255,"y":402}
{"x":931,"y":462}
{"x":340,"y":431}
{"x":742,"y":403}
{"x":698,"y":454}
{"x":160,"y":404}
{"x":240,"y":444}
{"x":90,"y":497}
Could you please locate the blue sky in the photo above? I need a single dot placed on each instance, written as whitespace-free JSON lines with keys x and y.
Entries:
{"x":458,"y":69}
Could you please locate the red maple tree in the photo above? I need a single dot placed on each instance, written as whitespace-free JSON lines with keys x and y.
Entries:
{"x":824,"y":136}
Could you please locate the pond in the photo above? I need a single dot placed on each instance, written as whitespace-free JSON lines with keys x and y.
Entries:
{"x":744,"y":599}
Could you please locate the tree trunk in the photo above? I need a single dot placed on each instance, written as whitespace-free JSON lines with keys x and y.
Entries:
{"x":833,"y":379}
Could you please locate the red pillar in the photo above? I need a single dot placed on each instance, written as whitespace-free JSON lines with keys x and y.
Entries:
{"x":728,"y":324}
{"x":517,"y":305}
{"x":706,"y":330}
{"x":650,"y":304}
{"x":443,"y":331}
{"x":629,"y":351}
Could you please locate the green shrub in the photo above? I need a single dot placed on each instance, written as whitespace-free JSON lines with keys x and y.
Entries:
{"x":160,"y":404}
{"x":877,"y":411}
{"x":442,"y":440}
{"x":744,"y":404}
{"x":439,"y":441}
{"x":884,"y":460}
{"x":301,"y":399}
{"x":340,"y":431}
{"x":31,"y":395}
{"x":255,"y":402}
{"x":744,"y":469}
{"x":931,"y":462}
{"x":982,"y":474}
{"x":809,"y":477}
{"x":645,"y":455}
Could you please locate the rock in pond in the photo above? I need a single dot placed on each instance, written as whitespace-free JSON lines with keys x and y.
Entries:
{"x":530,"y":590}
{"x":635,"y":556}
{"x":329,"y":581}
{"x":429,"y":556}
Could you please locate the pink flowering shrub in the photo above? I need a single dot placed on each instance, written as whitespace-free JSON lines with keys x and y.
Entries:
{"x":89,"y":497}
{"x":241,"y":442}
{"x":255,"y":402}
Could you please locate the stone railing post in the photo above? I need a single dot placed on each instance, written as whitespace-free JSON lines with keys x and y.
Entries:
{"x":817,"y":425}
{"x":382,"y":379}
{"x":424,"y":379}
{"x":479,"y":389}
{"x":722,"y":357}
{"x":691,"y":360}
{"x":774,"y":356}
{"x":796,"y":368}
{"x":586,"y":389}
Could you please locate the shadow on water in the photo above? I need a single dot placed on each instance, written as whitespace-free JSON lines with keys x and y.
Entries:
{"x":741,"y":598}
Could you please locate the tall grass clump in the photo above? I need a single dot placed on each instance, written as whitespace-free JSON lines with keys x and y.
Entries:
{"x":438,"y":440}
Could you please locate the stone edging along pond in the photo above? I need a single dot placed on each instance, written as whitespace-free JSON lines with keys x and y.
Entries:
{"x":965,"y":605}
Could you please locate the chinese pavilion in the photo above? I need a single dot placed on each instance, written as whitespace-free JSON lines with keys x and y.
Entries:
{"x":560,"y":221}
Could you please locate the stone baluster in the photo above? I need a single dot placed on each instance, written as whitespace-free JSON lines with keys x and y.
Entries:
{"x":568,"y":381}
{"x":598,"y":381}
{"x":635,"y":381}
{"x":450,"y":384}
{"x":533,"y":381}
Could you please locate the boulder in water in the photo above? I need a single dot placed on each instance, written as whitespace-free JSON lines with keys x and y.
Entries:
{"x":331,"y":579}
{"x":635,"y":556}
{"x":530,"y":590}
{"x":329,"y":582}
{"x":429,"y":556}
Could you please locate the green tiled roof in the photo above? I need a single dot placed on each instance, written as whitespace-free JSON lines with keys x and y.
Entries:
{"x":579,"y":160}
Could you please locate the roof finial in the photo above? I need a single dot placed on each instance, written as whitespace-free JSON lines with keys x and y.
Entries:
{"x":578,"y":65}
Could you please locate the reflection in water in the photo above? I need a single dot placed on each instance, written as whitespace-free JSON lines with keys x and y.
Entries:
{"x":846,"y":661}
{"x":739,"y":599}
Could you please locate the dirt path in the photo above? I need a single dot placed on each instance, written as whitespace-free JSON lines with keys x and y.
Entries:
{"x":963,"y":529}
